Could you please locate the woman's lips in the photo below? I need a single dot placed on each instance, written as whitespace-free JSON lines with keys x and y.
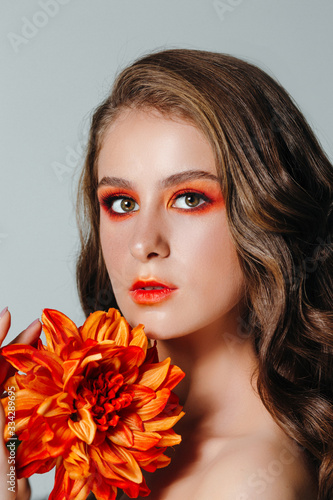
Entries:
{"x":151,"y":291}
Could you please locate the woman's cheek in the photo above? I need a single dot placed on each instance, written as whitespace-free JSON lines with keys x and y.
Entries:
{"x":112,"y":243}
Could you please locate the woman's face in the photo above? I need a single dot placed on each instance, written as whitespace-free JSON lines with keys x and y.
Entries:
{"x":163,"y":226}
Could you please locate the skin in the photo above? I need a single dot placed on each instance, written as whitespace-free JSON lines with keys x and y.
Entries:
{"x":149,"y":229}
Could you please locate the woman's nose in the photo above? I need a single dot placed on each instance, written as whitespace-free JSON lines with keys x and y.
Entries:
{"x":149,"y":238}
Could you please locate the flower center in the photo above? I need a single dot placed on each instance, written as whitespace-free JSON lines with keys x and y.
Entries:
{"x":105,"y":395}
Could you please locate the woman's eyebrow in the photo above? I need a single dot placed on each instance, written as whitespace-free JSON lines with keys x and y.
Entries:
{"x":172,"y":180}
{"x":188,"y":175}
{"x":115,"y":182}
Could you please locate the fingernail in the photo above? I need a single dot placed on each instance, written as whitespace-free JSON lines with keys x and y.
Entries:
{"x":3,"y":312}
{"x":33,"y":323}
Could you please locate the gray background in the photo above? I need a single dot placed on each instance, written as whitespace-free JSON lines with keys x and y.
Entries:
{"x":58,"y":59}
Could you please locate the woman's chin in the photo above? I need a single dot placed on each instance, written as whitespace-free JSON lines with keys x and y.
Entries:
{"x":160,"y":332}
{"x":156,"y":330}
{"x":156,"y":323}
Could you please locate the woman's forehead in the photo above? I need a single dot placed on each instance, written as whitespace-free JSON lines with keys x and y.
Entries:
{"x":147,"y":139}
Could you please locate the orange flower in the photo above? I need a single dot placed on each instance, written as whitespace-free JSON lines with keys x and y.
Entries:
{"x":95,"y":403}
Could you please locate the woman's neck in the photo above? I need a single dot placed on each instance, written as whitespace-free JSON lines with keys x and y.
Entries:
{"x":218,"y":392}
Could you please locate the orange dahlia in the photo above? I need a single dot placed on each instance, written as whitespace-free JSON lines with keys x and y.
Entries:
{"x":94,"y":402}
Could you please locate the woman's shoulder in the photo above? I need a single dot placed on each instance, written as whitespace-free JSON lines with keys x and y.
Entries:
{"x":259,"y":469}
{"x":239,"y":468}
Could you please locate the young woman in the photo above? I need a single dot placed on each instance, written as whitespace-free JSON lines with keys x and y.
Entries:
{"x":207,"y":207}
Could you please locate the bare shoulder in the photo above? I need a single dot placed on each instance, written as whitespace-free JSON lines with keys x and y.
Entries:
{"x":259,"y":470}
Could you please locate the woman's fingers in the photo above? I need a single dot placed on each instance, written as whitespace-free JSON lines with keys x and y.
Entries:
{"x":28,"y":336}
{"x":4,"y":455}
{"x":11,"y":489}
{"x":4,"y":323}
{"x":5,"y":493}
{"x":4,"y":327}
{"x":23,"y":489}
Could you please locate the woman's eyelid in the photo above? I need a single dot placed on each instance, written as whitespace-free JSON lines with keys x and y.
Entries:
{"x":104,"y":190}
{"x":109,"y":197}
{"x":189,"y":192}
{"x":110,"y":201}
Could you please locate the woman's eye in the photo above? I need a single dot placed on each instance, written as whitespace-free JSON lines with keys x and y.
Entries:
{"x":123,"y":205}
{"x":189,"y":200}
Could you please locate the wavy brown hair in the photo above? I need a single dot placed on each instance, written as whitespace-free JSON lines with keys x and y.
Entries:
{"x":277,"y":184}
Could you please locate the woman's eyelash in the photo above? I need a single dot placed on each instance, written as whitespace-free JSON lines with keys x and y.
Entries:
{"x":189,"y":200}
{"x":119,"y":204}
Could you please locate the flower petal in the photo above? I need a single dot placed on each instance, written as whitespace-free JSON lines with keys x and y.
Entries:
{"x":25,"y":358}
{"x":99,"y":325}
{"x":131,"y":356}
{"x":154,"y":375}
{"x":139,"y":338}
{"x":85,"y":427}
{"x":102,"y":488}
{"x":174,"y":376}
{"x":121,"y":435}
{"x":56,"y":405}
{"x":136,"y":490}
{"x":103,"y":460}
{"x":36,"y":466}
{"x":145,"y":440}
{"x":130,"y":468}
{"x":141,"y":395}
{"x":25,"y":401}
{"x":158,"y":463}
{"x":151,"y":356}
{"x":20,"y":425}
{"x":154,"y":407}
{"x":133,"y":421}
{"x":38,"y":380}
{"x":33,"y":452}
{"x":121,"y":334}
{"x":147,"y":457}
{"x":105,"y":452}
{"x":67,"y":488}
{"x":169,"y":438}
{"x":162,"y":424}
{"x":58,"y":329}
{"x":77,"y":462}
{"x":130,"y":375}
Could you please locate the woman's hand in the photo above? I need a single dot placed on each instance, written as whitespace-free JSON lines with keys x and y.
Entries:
{"x":21,"y":490}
